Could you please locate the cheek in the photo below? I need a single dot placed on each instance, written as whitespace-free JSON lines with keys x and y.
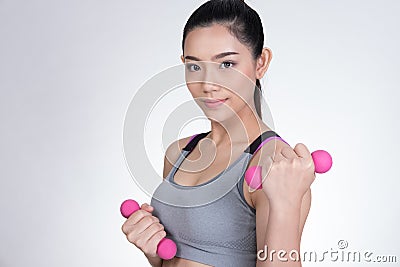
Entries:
{"x":242,"y":98}
{"x":242,"y":87}
{"x":194,"y":89}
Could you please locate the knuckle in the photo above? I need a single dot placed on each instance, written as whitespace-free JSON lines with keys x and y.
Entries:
{"x":142,"y":213}
{"x":297,"y":162}
{"x":158,"y":227}
{"x":132,"y":238}
{"x":155,"y":227}
{"x":140,"y":243}
{"x":280,"y":164}
{"x":287,"y":148}
{"x":153,"y":219}
{"x":124,"y":229}
{"x":147,"y":219}
{"x":161,"y":234}
{"x":135,"y":217}
{"x":308,"y":165}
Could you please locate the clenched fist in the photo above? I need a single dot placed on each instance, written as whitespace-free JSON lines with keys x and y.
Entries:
{"x":288,"y":175}
{"x":144,"y":230}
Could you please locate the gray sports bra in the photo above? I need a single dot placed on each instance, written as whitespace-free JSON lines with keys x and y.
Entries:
{"x":221,"y":232}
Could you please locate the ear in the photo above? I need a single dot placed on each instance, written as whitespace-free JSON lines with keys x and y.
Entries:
{"x":263,"y":62}
{"x":183,"y":60}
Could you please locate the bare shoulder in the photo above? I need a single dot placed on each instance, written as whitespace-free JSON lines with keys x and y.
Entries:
{"x":172,"y":153}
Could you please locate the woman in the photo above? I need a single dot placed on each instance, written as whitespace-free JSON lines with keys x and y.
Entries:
{"x":230,"y":229}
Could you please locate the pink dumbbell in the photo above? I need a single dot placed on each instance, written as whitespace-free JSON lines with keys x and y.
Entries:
{"x":166,"y":249}
{"x":322,"y":162}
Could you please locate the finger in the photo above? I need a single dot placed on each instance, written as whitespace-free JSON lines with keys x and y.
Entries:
{"x":277,"y":157}
{"x":137,"y":222}
{"x":152,"y":230}
{"x":303,"y":152}
{"x":145,"y":223}
{"x":156,"y":238}
{"x":138,"y":215}
{"x":288,"y":153}
{"x":147,"y":207}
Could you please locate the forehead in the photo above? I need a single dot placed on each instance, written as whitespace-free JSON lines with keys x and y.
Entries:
{"x":205,"y":42}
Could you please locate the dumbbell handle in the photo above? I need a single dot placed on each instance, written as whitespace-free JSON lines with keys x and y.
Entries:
{"x":322,"y":162}
{"x":166,"y":249}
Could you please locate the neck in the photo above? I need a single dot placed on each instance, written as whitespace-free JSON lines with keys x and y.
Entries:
{"x":243,"y":128}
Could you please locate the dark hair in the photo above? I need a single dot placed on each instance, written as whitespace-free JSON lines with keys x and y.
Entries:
{"x":242,"y":22}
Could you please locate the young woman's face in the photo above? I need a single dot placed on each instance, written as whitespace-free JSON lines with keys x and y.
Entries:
{"x":219,"y":67}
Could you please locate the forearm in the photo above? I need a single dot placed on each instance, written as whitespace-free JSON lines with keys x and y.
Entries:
{"x":283,"y":235}
{"x":154,"y":261}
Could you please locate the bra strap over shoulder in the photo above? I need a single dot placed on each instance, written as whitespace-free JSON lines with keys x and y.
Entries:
{"x":261,"y":140}
{"x":252,"y":148}
{"x":183,"y":154}
{"x":194,"y":140}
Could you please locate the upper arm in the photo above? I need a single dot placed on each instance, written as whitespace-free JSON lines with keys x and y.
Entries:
{"x":261,"y":202}
{"x":262,"y":213}
{"x":172,"y":154}
{"x":258,"y":197}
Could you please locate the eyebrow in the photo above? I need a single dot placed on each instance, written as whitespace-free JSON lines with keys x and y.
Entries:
{"x":221,"y":55}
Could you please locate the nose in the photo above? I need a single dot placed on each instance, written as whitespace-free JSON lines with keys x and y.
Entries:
{"x":209,"y":83}
{"x":209,"y":87}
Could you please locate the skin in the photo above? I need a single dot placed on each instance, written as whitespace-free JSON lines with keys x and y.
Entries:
{"x":283,"y":204}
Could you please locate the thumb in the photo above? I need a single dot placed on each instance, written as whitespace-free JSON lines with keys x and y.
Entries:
{"x":147,"y":207}
{"x":302,"y":151}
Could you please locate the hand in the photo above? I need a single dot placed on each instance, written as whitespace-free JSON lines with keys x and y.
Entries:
{"x":288,"y":176}
{"x":144,"y":230}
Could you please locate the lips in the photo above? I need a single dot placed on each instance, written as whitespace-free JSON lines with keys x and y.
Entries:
{"x":213,"y":103}
{"x":214,"y":100}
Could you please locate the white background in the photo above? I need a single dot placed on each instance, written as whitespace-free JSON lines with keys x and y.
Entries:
{"x":68,"y":70}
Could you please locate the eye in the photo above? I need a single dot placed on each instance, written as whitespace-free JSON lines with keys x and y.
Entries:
{"x":192,"y":67}
{"x":227,"y":64}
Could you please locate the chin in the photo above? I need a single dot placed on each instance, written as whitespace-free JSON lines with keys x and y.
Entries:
{"x":221,"y":115}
